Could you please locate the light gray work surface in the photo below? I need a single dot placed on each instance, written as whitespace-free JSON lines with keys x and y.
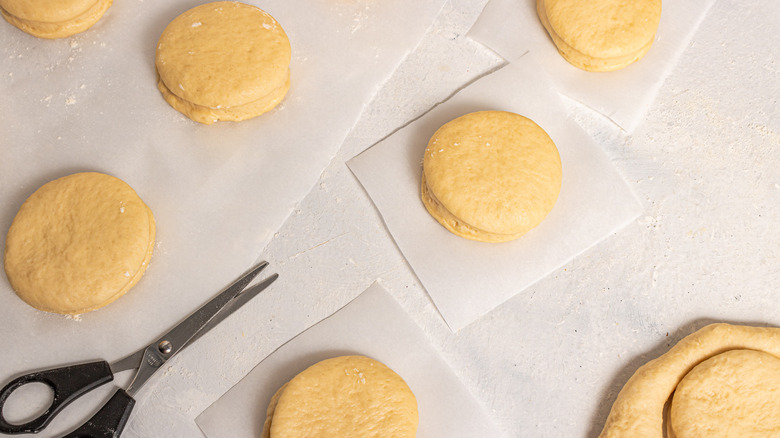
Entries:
{"x":549,"y":362}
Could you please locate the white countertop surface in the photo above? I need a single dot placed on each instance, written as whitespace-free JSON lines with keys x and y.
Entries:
{"x":549,"y":362}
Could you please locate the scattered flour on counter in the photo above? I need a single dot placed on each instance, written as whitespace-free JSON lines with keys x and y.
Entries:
{"x":766,"y":132}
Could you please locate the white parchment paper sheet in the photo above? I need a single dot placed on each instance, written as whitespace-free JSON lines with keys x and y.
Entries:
{"x":218,"y":192}
{"x":466,"y":278}
{"x":512,"y":27}
{"x":373,"y":325}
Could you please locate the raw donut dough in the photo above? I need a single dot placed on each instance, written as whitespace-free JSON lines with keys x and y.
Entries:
{"x":490,"y":176}
{"x":601,"y":35}
{"x":732,"y":394}
{"x":343,"y":397}
{"x":223,"y":61}
{"x":78,"y":243}
{"x":53,"y":18}
{"x":269,"y":413}
{"x":638,"y":409}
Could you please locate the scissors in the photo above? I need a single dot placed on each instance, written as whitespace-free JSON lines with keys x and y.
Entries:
{"x":71,"y":382}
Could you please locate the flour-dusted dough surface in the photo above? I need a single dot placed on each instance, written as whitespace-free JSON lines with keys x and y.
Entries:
{"x":601,"y":35}
{"x":53,"y":18}
{"x":638,"y":409}
{"x":78,"y":243}
{"x":490,"y":175}
{"x":732,"y":394}
{"x":344,"y":397}
{"x":223,"y":61}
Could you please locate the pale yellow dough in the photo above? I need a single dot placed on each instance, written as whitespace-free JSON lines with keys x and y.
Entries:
{"x":601,"y":35}
{"x":343,"y":397}
{"x":53,"y":18}
{"x":223,"y":61}
{"x":78,"y":243}
{"x":732,"y":394}
{"x":269,"y":413}
{"x":490,"y":176}
{"x":638,"y":409}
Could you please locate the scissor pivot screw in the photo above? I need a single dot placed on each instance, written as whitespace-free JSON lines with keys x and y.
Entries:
{"x":165,"y":347}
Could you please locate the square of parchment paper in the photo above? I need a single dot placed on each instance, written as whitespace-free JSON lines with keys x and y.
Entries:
{"x":373,"y":325}
{"x":512,"y":28}
{"x":465,"y":278}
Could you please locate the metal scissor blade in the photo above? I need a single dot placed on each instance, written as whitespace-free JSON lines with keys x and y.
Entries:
{"x":167,"y":345}
{"x":127,"y":363}
{"x":242,"y":298}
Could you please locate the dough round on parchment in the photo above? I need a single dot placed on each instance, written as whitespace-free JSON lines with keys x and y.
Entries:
{"x":223,"y":61}
{"x":343,"y":397}
{"x":601,"y":35}
{"x":53,"y":18}
{"x":269,"y":412}
{"x":732,"y":394}
{"x":490,"y":176}
{"x":78,"y":243}
{"x":638,"y":410}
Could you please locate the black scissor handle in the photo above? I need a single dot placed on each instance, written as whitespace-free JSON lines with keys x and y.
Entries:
{"x":68,"y":384}
{"x":109,"y":421}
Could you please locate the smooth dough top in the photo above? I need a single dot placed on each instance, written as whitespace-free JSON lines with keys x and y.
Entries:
{"x":50,"y":11}
{"x":497,"y":171}
{"x":223,"y":54}
{"x":346,"y":397}
{"x":732,"y":394}
{"x":604,"y":28}
{"x":78,"y":243}
{"x":638,"y":410}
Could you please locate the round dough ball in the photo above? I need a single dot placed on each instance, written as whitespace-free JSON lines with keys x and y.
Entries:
{"x":732,"y":394}
{"x":601,"y":35}
{"x":490,"y":176}
{"x":53,"y":18}
{"x":342,"y":397}
{"x":223,"y":61}
{"x":78,"y":243}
